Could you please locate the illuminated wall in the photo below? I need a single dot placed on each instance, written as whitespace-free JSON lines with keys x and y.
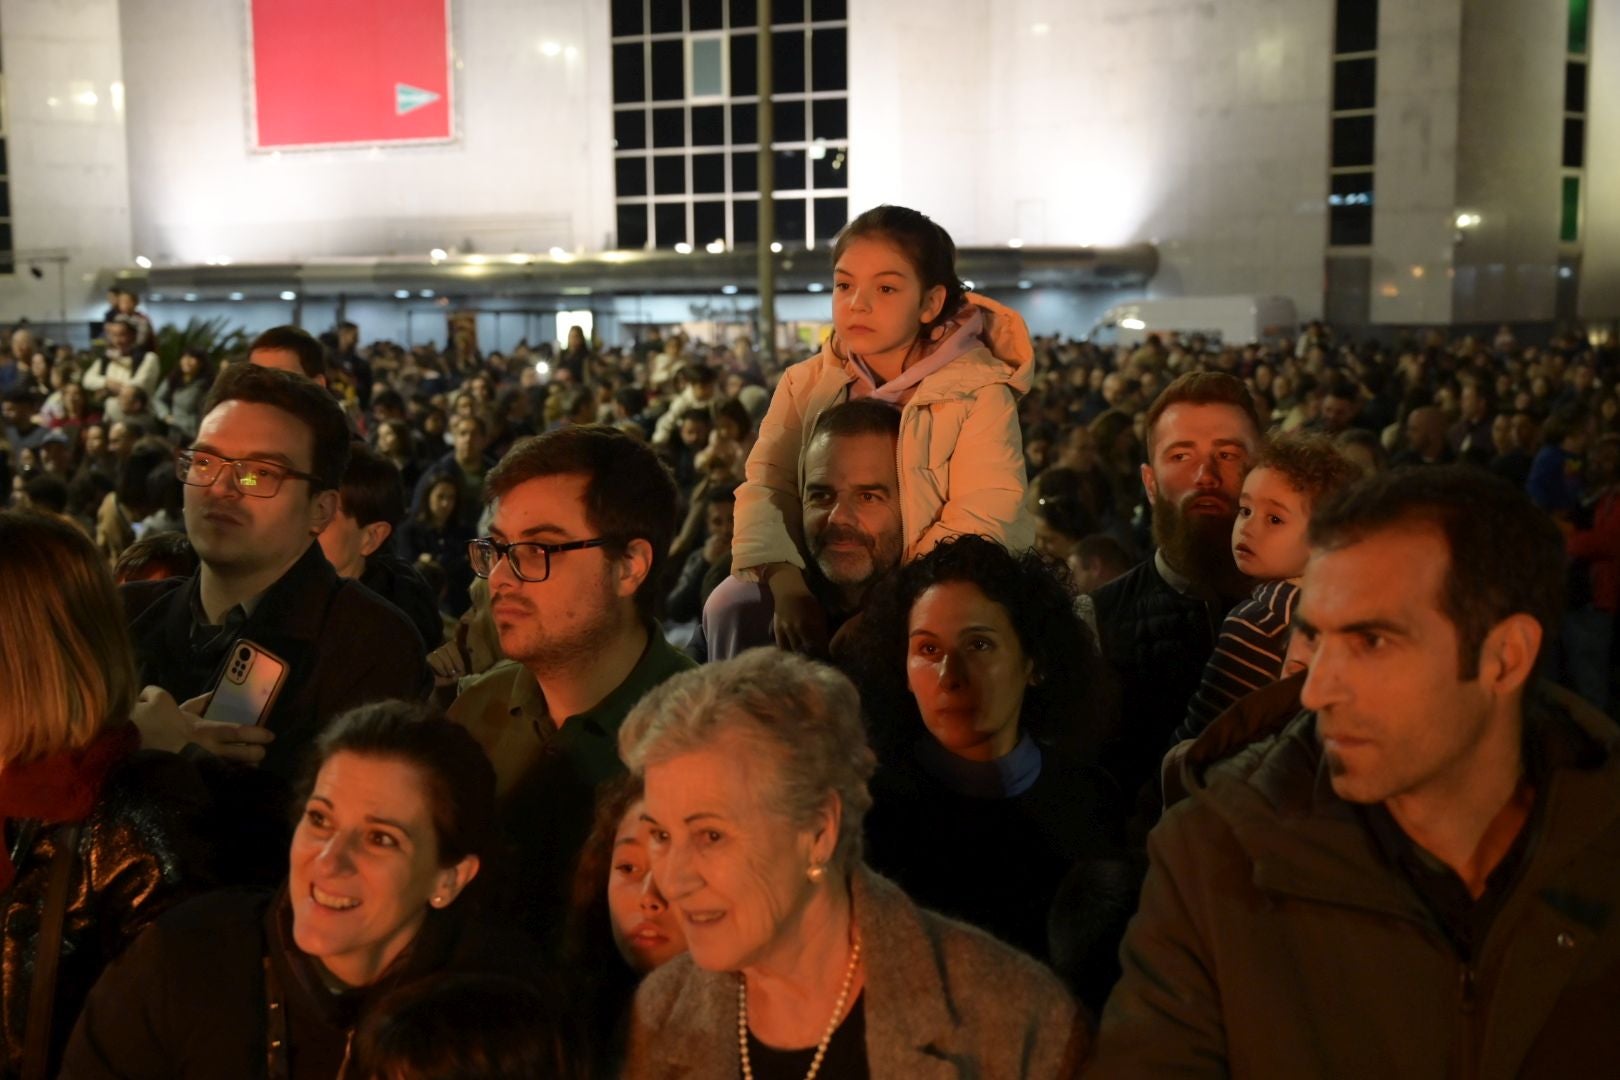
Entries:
{"x":1199,"y":126}
{"x":530,"y":168}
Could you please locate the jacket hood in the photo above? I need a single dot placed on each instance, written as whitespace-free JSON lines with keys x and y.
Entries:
{"x":1009,"y":355}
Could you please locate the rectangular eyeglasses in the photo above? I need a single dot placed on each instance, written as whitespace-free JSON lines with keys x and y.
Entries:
{"x":530,"y":561}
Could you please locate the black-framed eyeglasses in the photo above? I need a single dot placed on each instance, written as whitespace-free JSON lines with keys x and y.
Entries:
{"x":260,"y":479}
{"x":530,"y":561}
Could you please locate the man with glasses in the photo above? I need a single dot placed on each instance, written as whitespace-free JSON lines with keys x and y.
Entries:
{"x":260,"y":485}
{"x":583,"y":519}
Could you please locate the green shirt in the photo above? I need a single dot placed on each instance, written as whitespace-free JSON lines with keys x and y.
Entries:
{"x":505,"y":711}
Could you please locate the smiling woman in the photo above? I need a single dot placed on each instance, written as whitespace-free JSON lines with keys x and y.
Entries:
{"x":395,"y":825}
{"x":802,"y":961}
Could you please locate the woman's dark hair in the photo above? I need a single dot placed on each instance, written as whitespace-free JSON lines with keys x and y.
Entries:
{"x":464,"y":1026}
{"x":457,"y":777}
{"x":1068,"y":706}
{"x":205,"y":370}
{"x":423,"y":510}
{"x":601,"y":984}
{"x":735,"y":411}
{"x":1063,"y":500}
{"x":927,"y":247}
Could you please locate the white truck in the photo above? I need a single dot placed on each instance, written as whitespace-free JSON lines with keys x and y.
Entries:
{"x":1231,"y":320}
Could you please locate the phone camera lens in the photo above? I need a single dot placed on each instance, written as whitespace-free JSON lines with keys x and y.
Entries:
{"x":244,"y":654}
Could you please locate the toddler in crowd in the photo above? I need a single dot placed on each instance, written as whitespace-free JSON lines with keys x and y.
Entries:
{"x":1293,"y":473}
{"x":907,"y":332}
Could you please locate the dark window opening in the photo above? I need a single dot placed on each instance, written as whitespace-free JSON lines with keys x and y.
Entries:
{"x":630,"y":176}
{"x":1352,"y":141}
{"x":630,"y":130}
{"x":629,"y":83}
{"x":670,"y":221}
{"x":1356,"y":26}
{"x":1355,"y":84}
{"x":632,"y":226}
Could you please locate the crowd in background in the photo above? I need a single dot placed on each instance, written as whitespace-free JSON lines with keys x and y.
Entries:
{"x":1049,"y":862}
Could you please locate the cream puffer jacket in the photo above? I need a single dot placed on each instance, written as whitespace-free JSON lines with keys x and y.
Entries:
{"x":961,"y":453}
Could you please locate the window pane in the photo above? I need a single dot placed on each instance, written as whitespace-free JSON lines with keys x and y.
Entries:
{"x":1575,"y":87}
{"x":666,"y":16}
{"x":744,"y":171}
{"x":5,"y":198}
{"x":670,"y":219}
{"x":1579,"y":13}
{"x":745,"y":222}
{"x":668,"y":71}
{"x":1352,"y":189}
{"x":708,"y":221}
{"x":744,"y":13}
{"x":830,"y":119}
{"x":669,"y":175}
{"x":1574,"y":143}
{"x":744,"y":124}
{"x":705,"y":14}
{"x":790,"y":221}
{"x":3,"y":169}
{"x":831,"y":215}
{"x":789,"y":118}
{"x":669,"y":127}
{"x":789,"y":170}
{"x":1569,"y":226}
{"x":787,"y":11}
{"x":829,"y":68}
{"x":630,"y":176}
{"x":708,"y":80}
{"x":1355,"y":84}
{"x":1352,"y":141}
{"x":630,"y":130}
{"x":709,"y":174}
{"x":627,"y":18}
{"x":709,"y":125}
{"x":828,"y":9}
{"x":1357,"y":26}
{"x":632,"y":226}
{"x":745,"y":64}
{"x":787,"y":62}
{"x":831,"y":170}
{"x":628,"y":82}
{"x":1350,"y":209}
{"x":1349,"y":226}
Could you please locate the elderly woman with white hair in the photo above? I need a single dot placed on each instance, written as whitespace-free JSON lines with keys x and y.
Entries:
{"x":803,"y":961}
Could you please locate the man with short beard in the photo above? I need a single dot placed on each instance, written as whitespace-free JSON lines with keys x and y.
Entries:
{"x":851,"y":525}
{"x":583,"y":518}
{"x":1158,"y":623}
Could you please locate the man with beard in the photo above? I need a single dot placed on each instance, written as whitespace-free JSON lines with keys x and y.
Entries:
{"x":583,"y":518}
{"x":851,"y":525}
{"x":1415,"y":876}
{"x":1158,"y":623}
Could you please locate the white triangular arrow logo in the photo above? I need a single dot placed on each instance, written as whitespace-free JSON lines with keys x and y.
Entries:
{"x":409,"y":98}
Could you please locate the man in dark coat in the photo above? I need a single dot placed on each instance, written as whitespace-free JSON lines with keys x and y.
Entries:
{"x":261,"y":483}
{"x":1414,"y":877}
{"x":1158,"y":623}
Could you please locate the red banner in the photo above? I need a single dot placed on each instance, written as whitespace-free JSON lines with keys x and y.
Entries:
{"x":346,"y":72}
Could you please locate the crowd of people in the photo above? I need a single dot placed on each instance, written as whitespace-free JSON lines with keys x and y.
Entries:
{"x":946,"y":701}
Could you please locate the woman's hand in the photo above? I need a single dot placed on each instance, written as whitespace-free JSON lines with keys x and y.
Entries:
{"x":799,"y":625}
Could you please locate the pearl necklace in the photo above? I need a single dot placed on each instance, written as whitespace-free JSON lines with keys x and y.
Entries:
{"x":826,"y":1037}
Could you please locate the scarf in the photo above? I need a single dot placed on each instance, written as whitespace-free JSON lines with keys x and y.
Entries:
{"x":61,"y":787}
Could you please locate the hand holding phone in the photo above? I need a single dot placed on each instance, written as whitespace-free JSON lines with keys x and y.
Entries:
{"x":247,"y":688}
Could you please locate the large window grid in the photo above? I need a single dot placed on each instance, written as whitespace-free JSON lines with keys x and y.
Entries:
{"x":1573,"y":162}
{"x":686,"y":107}
{"x":1353,"y":124}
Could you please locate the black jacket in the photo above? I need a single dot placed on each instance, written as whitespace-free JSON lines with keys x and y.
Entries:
{"x":142,"y":848}
{"x":398,"y":583}
{"x":1158,"y":641}
{"x":191,"y":998}
{"x":344,"y":646}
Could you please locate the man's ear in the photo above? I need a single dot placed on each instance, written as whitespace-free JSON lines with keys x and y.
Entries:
{"x":634,"y":566}
{"x":322,"y":508}
{"x":1508,"y":657}
{"x":1150,"y":483}
{"x":373,"y":536}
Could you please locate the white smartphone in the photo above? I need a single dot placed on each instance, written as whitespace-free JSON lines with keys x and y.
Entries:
{"x":247,"y":688}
